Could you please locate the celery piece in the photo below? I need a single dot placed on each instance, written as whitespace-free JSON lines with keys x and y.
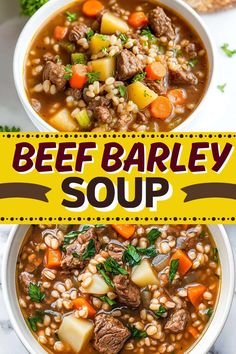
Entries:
{"x":83,"y":119}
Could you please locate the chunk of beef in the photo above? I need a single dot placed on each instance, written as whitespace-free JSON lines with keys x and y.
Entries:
{"x":177,"y":321}
{"x":76,"y":93}
{"x":160,"y":23}
{"x":183,"y":77}
{"x":55,"y":73}
{"x":128,"y":65}
{"x":95,"y":102}
{"x":103,"y":115}
{"x":158,"y":87}
{"x":78,"y":32}
{"x":142,"y":118}
{"x":191,"y":50}
{"x":25,"y":280}
{"x":36,"y":104}
{"x":97,"y":22}
{"x":110,"y":334}
{"x":128,"y":293}
{"x":48,"y":57}
{"x":78,"y":247}
{"x":116,"y":250}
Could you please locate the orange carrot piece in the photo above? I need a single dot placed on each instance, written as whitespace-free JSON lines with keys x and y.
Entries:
{"x":193,"y":331}
{"x":81,"y":302}
{"x":92,"y":8}
{"x":53,"y":258}
{"x":138,"y":19}
{"x":79,"y":76}
{"x":155,"y":71}
{"x":184,"y":262}
{"x":195,"y":294}
{"x":125,"y":231}
{"x":161,"y":108}
{"x":177,"y":96}
{"x":185,"y":227}
{"x":60,"y":32}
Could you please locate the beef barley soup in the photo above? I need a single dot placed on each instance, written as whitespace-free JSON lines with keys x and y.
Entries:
{"x":118,"y":288}
{"x":116,"y":66}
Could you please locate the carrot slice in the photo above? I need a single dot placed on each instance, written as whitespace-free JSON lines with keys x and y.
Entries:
{"x":177,"y":96}
{"x":53,"y":258}
{"x":60,"y":32}
{"x":195,"y":294}
{"x":125,"y":231}
{"x":161,"y":108}
{"x":184,"y":262}
{"x":138,"y":19}
{"x":193,"y":331}
{"x":92,"y":8}
{"x":79,"y":76}
{"x":81,"y":302}
{"x":155,"y":71}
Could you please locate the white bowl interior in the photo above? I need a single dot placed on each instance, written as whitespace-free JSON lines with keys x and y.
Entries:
{"x":201,"y":347}
{"x":35,"y":23}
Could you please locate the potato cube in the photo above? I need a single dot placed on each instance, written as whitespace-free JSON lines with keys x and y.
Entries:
{"x":105,"y":66}
{"x":143,"y":274}
{"x":63,"y":121}
{"x":98,"y":286}
{"x":98,"y":42}
{"x":112,"y":24}
{"x":140,"y":94}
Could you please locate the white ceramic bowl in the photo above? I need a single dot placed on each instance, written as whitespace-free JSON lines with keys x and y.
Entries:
{"x":35,"y":23}
{"x":200,"y":347}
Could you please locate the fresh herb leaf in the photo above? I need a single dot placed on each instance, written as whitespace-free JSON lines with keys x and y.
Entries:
{"x":33,"y":322}
{"x":221,"y":87}
{"x":174,"y":265}
{"x":202,"y":235}
{"x":108,"y":300}
{"x":104,"y":50}
{"x":146,"y":31}
{"x":103,"y":37}
{"x":89,"y":34}
{"x":146,"y":94}
{"x":131,"y":256}
{"x":111,"y":266}
{"x":35,"y":293}
{"x":101,"y":270}
{"x":68,"y":70}
{"x":123,"y":38}
{"x":93,"y":76}
{"x":29,"y":7}
{"x":75,"y":255}
{"x":100,"y":226}
{"x":162,"y":310}
{"x":90,"y":251}
{"x":150,"y":252}
{"x":153,"y":235}
{"x":78,"y":58}
{"x":85,"y":228}
{"x":227,"y":51}
{"x":58,"y":59}
{"x":139,"y":77}
{"x":71,"y":16}
{"x":192,"y":62}
{"x":209,"y":312}
{"x":122,"y":90}
{"x":136,"y":333}
{"x":70,"y":236}
{"x":6,"y":129}
{"x":215,"y":255}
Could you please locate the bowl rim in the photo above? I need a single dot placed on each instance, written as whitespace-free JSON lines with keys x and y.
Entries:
{"x":44,"y":14}
{"x":215,"y":332}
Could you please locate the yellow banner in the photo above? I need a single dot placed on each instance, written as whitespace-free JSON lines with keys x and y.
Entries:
{"x":126,"y":178}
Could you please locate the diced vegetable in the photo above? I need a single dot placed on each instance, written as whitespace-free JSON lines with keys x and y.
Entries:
{"x":78,"y":58}
{"x":144,"y":275}
{"x":60,"y":32}
{"x":98,"y":42}
{"x":140,"y":94}
{"x":184,"y":262}
{"x":68,"y":46}
{"x":195,"y":294}
{"x":53,"y":258}
{"x":193,"y":331}
{"x":111,"y":24}
{"x":155,"y":71}
{"x":92,"y":8}
{"x":79,"y":76}
{"x":161,"y":108}
{"x":81,"y":302}
{"x":138,"y":19}
{"x":83,"y":119}
{"x":105,"y":66}
{"x":98,"y":286}
{"x":177,"y":96}
{"x":125,"y":231}
{"x":76,"y":332}
{"x":63,"y":121}
{"x":161,"y":261}
{"x":174,"y":265}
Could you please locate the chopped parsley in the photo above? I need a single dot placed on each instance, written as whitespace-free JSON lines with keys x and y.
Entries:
{"x":122,"y":90}
{"x":78,"y":58}
{"x":103,"y":37}
{"x":131,"y":256}
{"x":70,"y":236}
{"x":68,"y":70}
{"x":162,"y":310}
{"x":101,"y":270}
{"x":85,"y":228}
{"x":29,"y":7}
{"x":89,"y":34}
{"x":111,"y":266}
{"x":71,"y":16}
{"x":93,"y":76}
{"x":123,"y":38}
{"x":221,"y":88}
{"x":106,"y":299}
{"x":215,"y":255}
{"x":227,"y":51}
{"x":153,"y":235}
{"x":90,"y":250}
{"x":34,"y":320}
{"x":209,"y":312}
{"x":192,"y":62}
{"x":35,"y":293}
{"x":136,"y":333}
{"x":139,"y":77}
{"x":174,"y":265}
{"x":100,"y":226}
{"x":75,"y":255}
{"x":6,"y":129}
{"x":202,"y":235}
{"x":146,"y":94}
{"x":147,"y":32}
{"x":104,"y":50}
{"x":150,"y":252}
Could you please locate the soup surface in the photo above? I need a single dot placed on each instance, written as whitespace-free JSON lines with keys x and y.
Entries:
{"x":116,"y":66}
{"x":118,"y":288}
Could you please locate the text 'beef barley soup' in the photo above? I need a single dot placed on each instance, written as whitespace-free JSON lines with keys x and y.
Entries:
{"x":118,"y":288}
{"x":116,"y":66}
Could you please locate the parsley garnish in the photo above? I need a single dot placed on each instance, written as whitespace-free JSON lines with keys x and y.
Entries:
{"x":75,"y":255}
{"x":139,"y":77}
{"x":104,"y":50}
{"x":71,"y":235}
{"x":136,"y":333}
{"x":71,"y":16}
{"x":131,"y":256}
{"x":153,"y":235}
{"x":101,"y":270}
{"x":111,"y":266}
{"x":100,"y":226}
{"x":150,"y":252}
{"x":78,"y":58}
{"x":29,"y":7}
{"x":92,"y":77}
{"x":6,"y":129}
{"x":215,"y":256}
{"x":162,"y":310}
{"x":34,"y":320}
{"x":123,"y":38}
{"x":202,"y":235}
{"x":90,"y":251}
{"x":174,"y":265}
{"x":108,"y":300}
{"x":35,"y":293}
{"x":221,"y":87}
{"x":192,"y":62}
{"x":209,"y":312}
{"x":122,"y":90}
{"x":147,"y":32}
{"x":68,"y":72}
{"x":89,"y":34}
{"x":228,"y":52}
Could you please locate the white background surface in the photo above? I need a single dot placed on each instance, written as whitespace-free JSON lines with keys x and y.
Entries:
{"x":220,"y":115}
